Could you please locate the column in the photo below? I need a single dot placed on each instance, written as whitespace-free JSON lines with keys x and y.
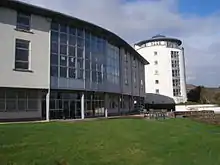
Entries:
{"x":48,"y":106}
{"x":106,"y":104}
{"x":82,"y":106}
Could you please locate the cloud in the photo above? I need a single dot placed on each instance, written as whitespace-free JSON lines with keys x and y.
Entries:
{"x":141,"y":19}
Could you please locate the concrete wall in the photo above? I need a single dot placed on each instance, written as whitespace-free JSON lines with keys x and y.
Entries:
{"x":39,"y":58}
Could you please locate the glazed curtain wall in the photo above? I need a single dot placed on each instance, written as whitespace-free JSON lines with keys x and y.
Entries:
{"x":77,"y":54}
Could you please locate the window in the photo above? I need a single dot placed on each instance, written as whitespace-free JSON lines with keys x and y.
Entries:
{"x":155,"y":53}
{"x":23,"y":21}
{"x":156,"y":81}
{"x":156,"y":72}
{"x":22,"y":54}
{"x":155,"y":62}
{"x":157,"y":91}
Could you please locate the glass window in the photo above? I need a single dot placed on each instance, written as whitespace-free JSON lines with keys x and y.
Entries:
{"x":63,"y":49}
{"x":63,"y":72}
{"x":72,"y":73}
{"x":87,"y":45}
{"x":54,"y":36}
{"x":54,"y":48}
{"x":157,"y":91}
{"x":72,"y":40}
{"x":54,"y":59}
{"x":63,"y":60}
{"x":22,"y":54}
{"x":80,"y":42}
{"x":156,"y":81}
{"x":80,"y":63}
{"x":54,"y":71}
{"x":87,"y":55}
{"x":87,"y":75}
{"x":63,"y":28}
{"x":55,"y":26}
{"x":72,"y":51}
{"x":79,"y":53}
{"x":155,"y":53}
{"x":72,"y":62}
{"x":80,"y":33}
{"x":23,"y":21}
{"x":87,"y":64}
{"x":80,"y":73}
{"x":94,"y":77}
{"x":63,"y":38}
{"x":72,"y":31}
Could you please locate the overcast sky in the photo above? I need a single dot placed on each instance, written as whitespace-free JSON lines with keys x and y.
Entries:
{"x":195,"y":22}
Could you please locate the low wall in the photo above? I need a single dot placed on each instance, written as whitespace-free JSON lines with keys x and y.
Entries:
{"x":198,"y":107}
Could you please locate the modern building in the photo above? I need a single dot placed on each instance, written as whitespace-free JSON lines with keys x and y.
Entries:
{"x":166,"y":72}
{"x":55,"y":66}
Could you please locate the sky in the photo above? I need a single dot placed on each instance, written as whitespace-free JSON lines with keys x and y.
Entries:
{"x":195,"y":22}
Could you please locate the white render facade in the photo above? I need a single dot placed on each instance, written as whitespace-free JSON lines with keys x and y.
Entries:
{"x":166,"y":71}
{"x":54,"y":66}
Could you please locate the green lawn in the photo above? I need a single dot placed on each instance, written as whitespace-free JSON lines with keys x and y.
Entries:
{"x":111,"y":142}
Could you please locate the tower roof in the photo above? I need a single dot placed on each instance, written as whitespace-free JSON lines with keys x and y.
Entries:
{"x":160,"y":37}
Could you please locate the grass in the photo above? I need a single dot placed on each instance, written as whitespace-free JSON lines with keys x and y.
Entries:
{"x":111,"y":142}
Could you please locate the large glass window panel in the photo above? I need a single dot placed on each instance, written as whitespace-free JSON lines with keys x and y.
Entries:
{"x":87,"y":36}
{"x":80,"y":73}
{"x":54,"y":36}
{"x":54,"y":48}
{"x":72,"y":31}
{"x":72,"y":62}
{"x":63,"y":60}
{"x":94,"y":76}
{"x":87,"y":45}
{"x":63,"y":28}
{"x":72,"y":73}
{"x":54,"y":59}
{"x":80,"y":33}
{"x":54,"y":26}
{"x":87,"y":54}
{"x":80,"y":42}
{"x":72,"y":40}
{"x":54,"y":71}
{"x":79,"y":53}
{"x":63,"y":49}
{"x":87,"y":64}
{"x":87,"y":74}
{"x":22,"y":104}
{"x":63,"y":72}
{"x":32,"y":104}
{"x":94,"y":66}
{"x":72,"y":51}
{"x":63,"y":38}
{"x":79,"y":63}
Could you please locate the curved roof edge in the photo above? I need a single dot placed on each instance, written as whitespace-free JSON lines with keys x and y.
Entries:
{"x":160,"y":38}
{"x":97,"y":30}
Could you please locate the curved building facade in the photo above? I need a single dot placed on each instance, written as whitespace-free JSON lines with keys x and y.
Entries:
{"x":166,"y":71}
{"x":56,"y":66}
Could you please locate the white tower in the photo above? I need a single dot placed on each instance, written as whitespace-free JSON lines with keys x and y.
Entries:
{"x":165,"y":75}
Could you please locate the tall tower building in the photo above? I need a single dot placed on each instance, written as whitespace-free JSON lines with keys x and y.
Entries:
{"x":165,"y":75}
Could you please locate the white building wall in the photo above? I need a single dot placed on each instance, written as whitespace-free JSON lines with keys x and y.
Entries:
{"x":39,"y":51}
{"x":164,"y":68}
